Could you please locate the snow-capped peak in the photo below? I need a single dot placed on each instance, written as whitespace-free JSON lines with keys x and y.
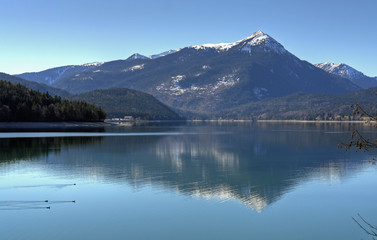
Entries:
{"x":257,"y":34}
{"x":261,"y":39}
{"x":340,"y":69}
{"x":258,"y":38}
{"x":137,"y":56}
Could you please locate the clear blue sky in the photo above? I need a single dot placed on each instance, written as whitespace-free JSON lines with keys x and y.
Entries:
{"x":40,"y":34}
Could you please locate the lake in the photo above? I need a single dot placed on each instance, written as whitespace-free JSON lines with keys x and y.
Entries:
{"x":186,"y":181}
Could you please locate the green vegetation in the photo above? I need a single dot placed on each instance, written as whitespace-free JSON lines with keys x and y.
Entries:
{"x":120,"y":102}
{"x":301,"y":106}
{"x":20,"y":104}
{"x":34,"y":85}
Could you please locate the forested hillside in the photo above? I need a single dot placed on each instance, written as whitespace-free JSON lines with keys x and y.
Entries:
{"x":120,"y":102}
{"x":20,"y":104}
{"x":304,"y":106}
{"x":34,"y":85}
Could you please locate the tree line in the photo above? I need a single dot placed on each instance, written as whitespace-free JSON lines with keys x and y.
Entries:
{"x":21,"y":104}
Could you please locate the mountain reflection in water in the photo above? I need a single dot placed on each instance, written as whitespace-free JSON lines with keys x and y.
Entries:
{"x":255,"y":164}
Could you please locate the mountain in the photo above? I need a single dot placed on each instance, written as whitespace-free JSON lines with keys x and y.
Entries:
{"x":211,"y":77}
{"x":163,"y":54}
{"x":50,"y":76}
{"x":303,"y":106}
{"x":348,"y":72}
{"x":34,"y":85}
{"x":139,"y":56}
{"x":21,"y":104}
{"x":119,"y":102}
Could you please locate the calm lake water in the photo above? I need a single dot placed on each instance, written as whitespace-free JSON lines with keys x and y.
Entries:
{"x":186,"y":181}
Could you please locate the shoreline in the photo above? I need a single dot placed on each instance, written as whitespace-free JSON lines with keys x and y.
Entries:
{"x":285,"y":121}
{"x":93,"y":125}
{"x":315,"y":121}
{"x":51,"y":125}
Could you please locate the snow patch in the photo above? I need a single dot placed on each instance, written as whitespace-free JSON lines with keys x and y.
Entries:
{"x":134,"y":68}
{"x":195,"y":88}
{"x":227,"y":81}
{"x":173,"y":87}
{"x":93,"y":64}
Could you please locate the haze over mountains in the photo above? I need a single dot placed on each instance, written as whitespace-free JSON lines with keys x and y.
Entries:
{"x":211,"y":78}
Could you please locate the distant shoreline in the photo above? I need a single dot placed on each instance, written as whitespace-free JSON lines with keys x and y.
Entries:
{"x":314,"y":121}
{"x":79,"y":125}
{"x":46,"y":125}
{"x":282,"y":121}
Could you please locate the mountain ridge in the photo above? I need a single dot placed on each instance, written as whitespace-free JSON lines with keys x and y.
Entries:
{"x":210,"y":77}
{"x":346,"y":71}
{"x":34,"y":85}
{"x":213,"y":77}
{"x":52,"y":75}
{"x":258,"y":38}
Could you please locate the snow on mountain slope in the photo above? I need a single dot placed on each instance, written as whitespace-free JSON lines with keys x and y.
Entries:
{"x":136,"y":56}
{"x":340,"y":69}
{"x":139,"y":56}
{"x":50,"y":76}
{"x":213,"y":77}
{"x":259,"y":38}
{"x":93,"y":64}
{"x":348,"y":72}
{"x":163,"y":54}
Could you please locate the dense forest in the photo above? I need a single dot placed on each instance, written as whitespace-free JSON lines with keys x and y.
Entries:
{"x":21,"y":104}
{"x":34,"y":85}
{"x":120,"y":102}
{"x":305,"y":106}
{"x":300,"y":106}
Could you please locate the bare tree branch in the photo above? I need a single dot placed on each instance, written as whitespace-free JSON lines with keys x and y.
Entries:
{"x":371,"y":231}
